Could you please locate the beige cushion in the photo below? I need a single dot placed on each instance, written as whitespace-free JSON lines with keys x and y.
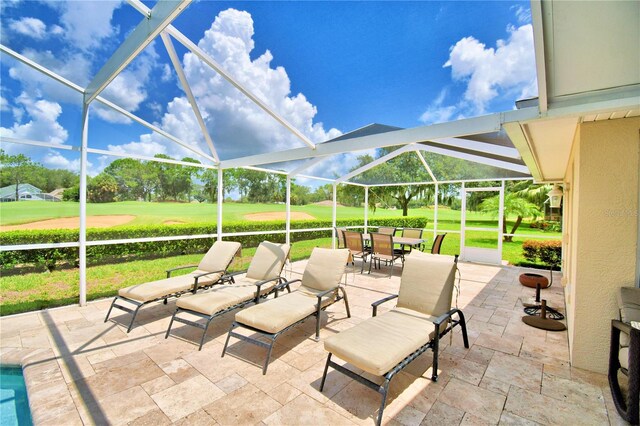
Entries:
{"x":223,"y":296}
{"x":325,"y":268}
{"x":629,"y":304}
{"x":378,"y":344}
{"x":623,"y":357}
{"x":268,"y":261}
{"x":277,"y":314}
{"x":156,"y":289}
{"x":427,"y":284}
{"x":219,"y":256}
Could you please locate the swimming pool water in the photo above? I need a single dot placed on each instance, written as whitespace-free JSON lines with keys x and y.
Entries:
{"x":14,"y":405}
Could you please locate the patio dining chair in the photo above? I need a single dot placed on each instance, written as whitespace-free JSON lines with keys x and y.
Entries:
{"x":624,"y":355}
{"x":437,"y":243}
{"x":385,"y":344}
{"x":340,"y":237}
{"x":244,"y":288}
{"x":210,"y":271}
{"x":382,"y":250}
{"x":355,"y":244}
{"x":387,"y":230}
{"x":410,"y":233}
{"x":319,"y":288}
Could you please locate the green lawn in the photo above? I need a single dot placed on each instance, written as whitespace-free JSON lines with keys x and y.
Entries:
{"x":28,"y":292}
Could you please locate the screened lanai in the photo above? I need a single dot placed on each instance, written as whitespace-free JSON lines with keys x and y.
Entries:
{"x":463,"y":154}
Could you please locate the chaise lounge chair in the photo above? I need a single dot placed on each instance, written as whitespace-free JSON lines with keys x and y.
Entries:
{"x":384,"y":345}
{"x":320,"y":286}
{"x":257,"y":282}
{"x":210,"y":271}
{"x":624,"y":355}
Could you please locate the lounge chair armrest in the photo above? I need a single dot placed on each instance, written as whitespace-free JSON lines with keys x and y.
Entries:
{"x":622,"y":326}
{"x":204,"y":274}
{"x":324,"y":293}
{"x":233,"y":274}
{"x":169,"y":271}
{"x":286,"y":284}
{"x":259,"y":283}
{"x":377,"y":303}
{"x":444,"y":317}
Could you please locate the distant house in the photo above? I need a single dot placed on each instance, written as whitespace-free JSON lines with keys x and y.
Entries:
{"x":26,"y":192}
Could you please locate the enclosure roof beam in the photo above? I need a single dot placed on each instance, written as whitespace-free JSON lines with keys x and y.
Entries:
{"x":426,"y":166}
{"x":376,"y":162}
{"x":154,"y":128}
{"x":168,"y":44}
{"x":477,"y":159}
{"x":464,"y":127}
{"x":503,"y":151}
{"x":146,"y":158}
{"x":156,"y":20}
{"x":186,"y":42}
{"x":100,"y":99}
{"x":40,"y":68}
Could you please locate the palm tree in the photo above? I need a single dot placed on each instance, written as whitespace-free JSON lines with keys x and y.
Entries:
{"x":513,"y":205}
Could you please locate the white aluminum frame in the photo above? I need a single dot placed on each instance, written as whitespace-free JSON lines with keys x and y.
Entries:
{"x":157,"y":21}
{"x":481,"y":254}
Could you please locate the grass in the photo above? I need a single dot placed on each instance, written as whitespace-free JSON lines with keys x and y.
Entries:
{"x":28,"y":292}
{"x":33,"y":291}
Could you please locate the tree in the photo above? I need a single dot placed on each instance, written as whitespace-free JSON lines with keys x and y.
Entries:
{"x":102,"y":189}
{"x":513,"y":205}
{"x":16,"y":169}
{"x":71,"y":194}
{"x":404,"y":168}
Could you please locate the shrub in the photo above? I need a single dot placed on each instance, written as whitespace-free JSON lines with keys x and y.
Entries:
{"x":106,"y":253}
{"x":547,"y":252}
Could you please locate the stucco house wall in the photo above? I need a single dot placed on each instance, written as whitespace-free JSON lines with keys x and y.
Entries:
{"x":601,"y":233}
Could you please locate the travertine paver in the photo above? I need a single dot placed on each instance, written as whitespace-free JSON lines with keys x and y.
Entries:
{"x":81,"y":370}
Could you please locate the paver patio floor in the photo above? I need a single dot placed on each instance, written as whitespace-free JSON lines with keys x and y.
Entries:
{"x":80,"y":370}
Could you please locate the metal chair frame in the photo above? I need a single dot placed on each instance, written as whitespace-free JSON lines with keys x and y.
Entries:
{"x":273,"y":336}
{"x":434,"y":344}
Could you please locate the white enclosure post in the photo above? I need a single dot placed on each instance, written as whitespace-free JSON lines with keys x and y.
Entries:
{"x":83,"y":206}
{"x":288,"y":212}
{"x":366,"y":209}
{"x":501,"y":220}
{"x":463,"y":218}
{"x":220,"y":196}
{"x":435,"y":214}
{"x":333,"y":219}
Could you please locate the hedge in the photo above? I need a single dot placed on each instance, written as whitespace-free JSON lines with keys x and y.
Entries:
{"x":115,"y":252}
{"x":548,"y":252}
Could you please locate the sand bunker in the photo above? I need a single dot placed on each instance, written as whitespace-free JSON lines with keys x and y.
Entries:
{"x":278,"y":216}
{"x":73,"y":223}
{"x":172,"y":222}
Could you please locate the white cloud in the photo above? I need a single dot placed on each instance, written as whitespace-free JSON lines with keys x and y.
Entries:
{"x":31,"y":27}
{"x":237,"y":126}
{"x":43,"y":125}
{"x":4,"y":104}
{"x":490,"y":73}
{"x":146,"y":146}
{"x":523,"y":14}
{"x":74,"y":67}
{"x":166,"y":73}
{"x":55,"y":160}
{"x":437,"y":112}
{"x":88,"y":23}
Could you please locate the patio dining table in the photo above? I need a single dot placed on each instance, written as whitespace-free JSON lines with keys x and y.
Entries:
{"x":405,"y":241}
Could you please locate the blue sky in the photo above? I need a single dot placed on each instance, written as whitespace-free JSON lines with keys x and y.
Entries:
{"x":327,"y":67}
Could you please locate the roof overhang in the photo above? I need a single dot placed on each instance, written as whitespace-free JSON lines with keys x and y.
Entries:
{"x":588,"y":67}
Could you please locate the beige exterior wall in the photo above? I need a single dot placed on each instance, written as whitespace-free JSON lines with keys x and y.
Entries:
{"x":601,"y":233}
